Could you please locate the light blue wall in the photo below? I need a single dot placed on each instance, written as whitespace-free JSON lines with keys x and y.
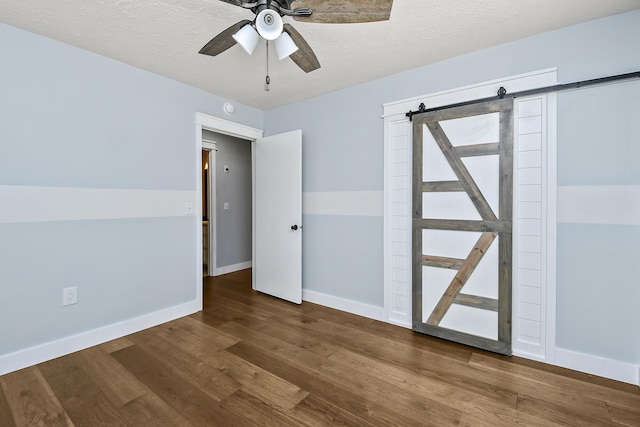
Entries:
{"x":70,"y":118}
{"x":599,"y":290}
{"x":343,"y":151}
{"x":345,"y":241}
{"x":341,"y":139}
{"x":601,"y":140}
{"x":598,"y":272}
{"x":74,"y":119}
{"x":122,"y":268}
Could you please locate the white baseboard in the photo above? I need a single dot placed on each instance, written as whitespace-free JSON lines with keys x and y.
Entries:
{"x":231,"y":268}
{"x":608,"y":368}
{"x":342,"y":304}
{"x":41,"y":353}
{"x":519,"y":352}
{"x":402,"y":323}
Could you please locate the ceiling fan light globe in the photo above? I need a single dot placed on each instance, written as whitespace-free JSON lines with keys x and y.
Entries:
{"x":269,"y":24}
{"x":285,"y":46}
{"x":248,"y":38}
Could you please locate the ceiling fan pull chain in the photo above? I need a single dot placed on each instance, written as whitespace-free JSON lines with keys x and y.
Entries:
{"x":267,"y":80}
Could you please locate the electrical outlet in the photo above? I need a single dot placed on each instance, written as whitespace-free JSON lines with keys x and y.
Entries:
{"x":188,"y":208}
{"x":70,"y":295}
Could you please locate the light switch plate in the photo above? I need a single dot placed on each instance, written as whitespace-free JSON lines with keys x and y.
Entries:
{"x":70,"y":296}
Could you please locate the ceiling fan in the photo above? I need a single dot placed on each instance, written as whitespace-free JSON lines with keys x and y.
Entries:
{"x":268,"y":25}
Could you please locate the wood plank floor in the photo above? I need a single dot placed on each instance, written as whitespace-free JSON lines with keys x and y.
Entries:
{"x":249,"y":359}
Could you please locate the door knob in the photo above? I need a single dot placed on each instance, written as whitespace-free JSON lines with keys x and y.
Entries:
{"x":294,"y":227}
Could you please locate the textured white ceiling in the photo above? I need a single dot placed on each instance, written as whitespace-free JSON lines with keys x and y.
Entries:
{"x":164,"y":36}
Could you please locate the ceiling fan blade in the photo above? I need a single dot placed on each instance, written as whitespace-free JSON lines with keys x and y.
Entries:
{"x":233,"y":2}
{"x":344,"y":11}
{"x":304,"y":56}
{"x":224,"y":40}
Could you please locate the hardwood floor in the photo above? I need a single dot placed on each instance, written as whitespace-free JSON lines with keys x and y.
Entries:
{"x":249,"y":359}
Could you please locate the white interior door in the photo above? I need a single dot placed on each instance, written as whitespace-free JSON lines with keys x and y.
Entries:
{"x":277,"y":268}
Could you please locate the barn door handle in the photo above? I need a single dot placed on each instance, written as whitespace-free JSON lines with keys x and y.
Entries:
{"x":294,"y":227}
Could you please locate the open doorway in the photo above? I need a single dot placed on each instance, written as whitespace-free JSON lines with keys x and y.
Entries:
{"x":227,"y":203}
{"x":289,"y":221}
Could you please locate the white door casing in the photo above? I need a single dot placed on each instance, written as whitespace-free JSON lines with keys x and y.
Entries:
{"x":278,"y":216}
{"x":397,"y":209}
{"x":226,"y":127}
{"x":210,"y":147}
